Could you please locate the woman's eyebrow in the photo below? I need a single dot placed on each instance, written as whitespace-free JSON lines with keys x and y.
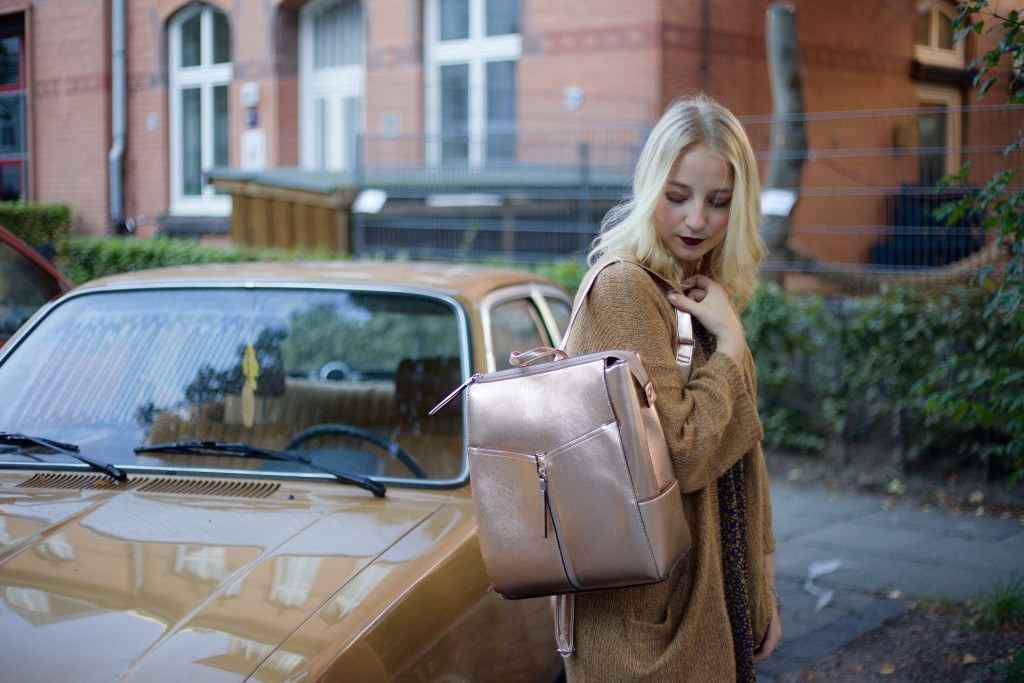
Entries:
{"x":684,"y":186}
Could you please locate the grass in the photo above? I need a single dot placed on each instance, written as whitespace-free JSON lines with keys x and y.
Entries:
{"x":1003,"y":609}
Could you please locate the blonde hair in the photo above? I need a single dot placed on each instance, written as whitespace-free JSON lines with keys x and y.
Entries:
{"x":628,"y":229}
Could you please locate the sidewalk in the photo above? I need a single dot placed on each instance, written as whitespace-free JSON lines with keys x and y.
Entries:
{"x":868,"y":560}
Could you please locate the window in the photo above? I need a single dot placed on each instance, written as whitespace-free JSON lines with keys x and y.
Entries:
{"x":515,"y":325}
{"x":934,"y":43}
{"x":332,"y":74}
{"x":200,"y":71}
{"x":472,"y":48}
{"x":938,"y":122}
{"x":938,"y":131}
{"x":24,"y":287}
{"x":13,"y":151}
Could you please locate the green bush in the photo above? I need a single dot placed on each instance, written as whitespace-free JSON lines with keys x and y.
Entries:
{"x":568,"y":272}
{"x":86,"y":258}
{"x":790,"y":341}
{"x":40,"y":225}
{"x":942,"y":372}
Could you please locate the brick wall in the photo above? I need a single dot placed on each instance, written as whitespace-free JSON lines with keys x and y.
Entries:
{"x":69,"y":107}
{"x":627,"y":59}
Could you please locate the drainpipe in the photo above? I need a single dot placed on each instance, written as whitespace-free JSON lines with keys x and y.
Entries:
{"x":118,"y":113}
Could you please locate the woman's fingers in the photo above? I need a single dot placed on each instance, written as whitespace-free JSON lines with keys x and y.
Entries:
{"x":684,"y":302}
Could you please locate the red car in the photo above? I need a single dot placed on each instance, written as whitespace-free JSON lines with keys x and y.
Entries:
{"x":27,"y":281}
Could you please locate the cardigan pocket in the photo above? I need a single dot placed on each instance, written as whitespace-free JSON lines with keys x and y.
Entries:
{"x":637,"y":630}
{"x":657,"y":609}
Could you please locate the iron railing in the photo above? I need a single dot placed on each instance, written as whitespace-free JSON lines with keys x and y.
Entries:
{"x":864,"y":213}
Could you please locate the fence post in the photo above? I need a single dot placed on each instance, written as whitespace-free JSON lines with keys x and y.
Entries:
{"x":585,"y":228}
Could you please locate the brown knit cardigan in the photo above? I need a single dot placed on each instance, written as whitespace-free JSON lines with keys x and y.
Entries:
{"x":678,"y":629}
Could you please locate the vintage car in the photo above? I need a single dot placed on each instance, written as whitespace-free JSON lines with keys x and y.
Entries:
{"x":27,"y":281}
{"x":227,"y":472}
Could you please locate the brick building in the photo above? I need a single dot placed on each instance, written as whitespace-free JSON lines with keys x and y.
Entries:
{"x":119,"y":107}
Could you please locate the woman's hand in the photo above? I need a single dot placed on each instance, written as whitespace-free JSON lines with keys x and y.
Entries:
{"x":709,"y":303}
{"x":774,"y":633}
{"x":771,"y":638}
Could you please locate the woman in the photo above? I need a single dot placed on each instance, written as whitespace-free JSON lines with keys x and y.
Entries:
{"x":694,"y":218}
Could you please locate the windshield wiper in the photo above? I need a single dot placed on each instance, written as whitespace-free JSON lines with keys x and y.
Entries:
{"x":244,"y":450}
{"x":68,"y":449}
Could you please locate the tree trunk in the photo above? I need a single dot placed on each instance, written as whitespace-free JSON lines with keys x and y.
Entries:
{"x":788,"y":138}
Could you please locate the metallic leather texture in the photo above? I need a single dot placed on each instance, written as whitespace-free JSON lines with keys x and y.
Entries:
{"x":573,"y":485}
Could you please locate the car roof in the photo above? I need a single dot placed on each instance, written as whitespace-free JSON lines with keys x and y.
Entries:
{"x":470,"y":281}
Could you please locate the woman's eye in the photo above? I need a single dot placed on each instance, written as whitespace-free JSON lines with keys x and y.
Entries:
{"x":676,"y":198}
{"x":721,"y":203}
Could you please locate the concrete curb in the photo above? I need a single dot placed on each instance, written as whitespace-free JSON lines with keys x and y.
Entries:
{"x":804,"y":651}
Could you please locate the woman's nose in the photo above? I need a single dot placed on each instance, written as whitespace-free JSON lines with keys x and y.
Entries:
{"x":695,"y":218}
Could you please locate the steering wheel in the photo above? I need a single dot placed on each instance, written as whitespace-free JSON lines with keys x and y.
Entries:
{"x":341,"y":429}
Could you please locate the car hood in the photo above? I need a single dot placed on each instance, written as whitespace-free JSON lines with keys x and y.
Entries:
{"x":147,"y":585}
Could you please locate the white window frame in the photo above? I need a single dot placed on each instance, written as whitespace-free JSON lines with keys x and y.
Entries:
{"x":939,"y":96}
{"x":333,"y":86}
{"x":206,"y":76}
{"x":476,"y":50}
{"x":932,"y":53}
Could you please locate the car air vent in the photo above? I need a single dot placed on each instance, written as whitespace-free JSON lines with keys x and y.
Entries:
{"x":181,"y":485}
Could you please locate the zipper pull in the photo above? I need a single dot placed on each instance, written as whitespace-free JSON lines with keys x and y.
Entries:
{"x":458,"y":390}
{"x":542,"y":474}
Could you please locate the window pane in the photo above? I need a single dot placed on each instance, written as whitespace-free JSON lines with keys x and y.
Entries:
{"x":401,"y":351}
{"x":945,"y":28}
{"x":190,"y":41}
{"x":191,"y":146}
{"x":501,"y":111}
{"x":350,"y":108}
{"x":320,"y":132}
{"x":220,"y":128}
{"x":327,"y":38}
{"x":561,"y":311}
{"x":455,"y":113}
{"x":12,"y":123}
{"x":454,"y":19}
{"x":221,"y":38}
{"x":351,"y":33}
{"x":924,"y":21}
{"x":24,"y":284}
{"x":10,"y":60}
{"x":502,"y":17}
{"x":515,"y":326}
{"x":932,"y":158}
{"x":11,"y":188}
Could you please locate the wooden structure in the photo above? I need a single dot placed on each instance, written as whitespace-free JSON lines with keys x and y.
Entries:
{"x":288,"y":208}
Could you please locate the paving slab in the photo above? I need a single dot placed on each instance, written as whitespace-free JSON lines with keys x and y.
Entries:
{"x":872,"y":557}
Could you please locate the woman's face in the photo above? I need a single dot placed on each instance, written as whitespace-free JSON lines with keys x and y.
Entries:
{"x":692,"y":215}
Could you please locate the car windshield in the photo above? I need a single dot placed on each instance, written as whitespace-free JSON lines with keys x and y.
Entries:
{"x":344,"y":378}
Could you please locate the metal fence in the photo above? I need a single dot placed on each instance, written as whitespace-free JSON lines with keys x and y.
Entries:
{"x":864,"y":213}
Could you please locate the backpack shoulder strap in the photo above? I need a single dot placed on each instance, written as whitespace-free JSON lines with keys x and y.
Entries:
{"x":684,"y":322}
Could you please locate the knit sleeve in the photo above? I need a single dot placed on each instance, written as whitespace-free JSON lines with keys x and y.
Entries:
{"x":712,"y":420}
{"x":760,"y":467}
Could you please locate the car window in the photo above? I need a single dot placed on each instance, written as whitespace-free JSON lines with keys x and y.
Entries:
{"x":561,"y":310}
{"x":346,"y":377}
{"x":24,"y":287}
{"x":515,"y":326}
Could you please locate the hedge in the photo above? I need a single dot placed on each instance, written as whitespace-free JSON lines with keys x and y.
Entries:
{"x":86,"y":258}
{"x":41,"y":225}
